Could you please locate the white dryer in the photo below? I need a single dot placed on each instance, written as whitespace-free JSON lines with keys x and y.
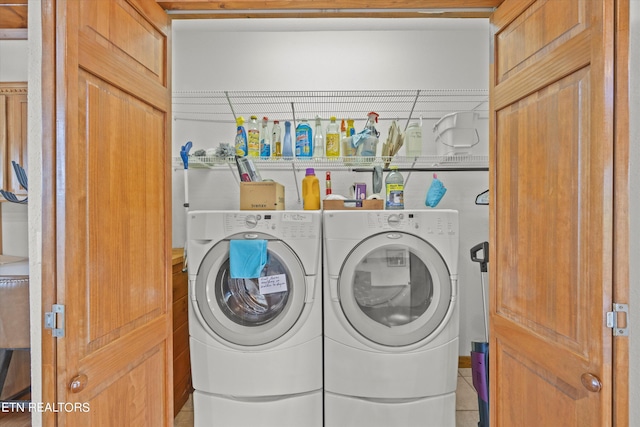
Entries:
{"x":256,"y":356}
{"x":391,"y":321}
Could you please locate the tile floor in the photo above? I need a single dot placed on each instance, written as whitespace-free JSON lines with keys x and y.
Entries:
{"x":466,"y":404}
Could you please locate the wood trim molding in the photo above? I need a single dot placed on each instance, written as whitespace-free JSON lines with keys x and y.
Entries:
{"x":464,"y":362}
{"x":327,"y":14}
{"x":13,"y":19}
{"x":621,"y":209}
{"x":13,"y":88}
{"x":206,"y":9}
{"x":48,"y":249}
{"x":330,"y":5}
{"x":14,"y":14}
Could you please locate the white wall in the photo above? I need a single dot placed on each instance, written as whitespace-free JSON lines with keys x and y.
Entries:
{"x":15,"y":229}
{"x":13,"y":60}
{"x":366,"y":55}
{"x":13,"y":68}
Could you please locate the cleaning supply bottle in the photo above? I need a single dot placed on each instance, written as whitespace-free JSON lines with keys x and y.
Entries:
{"x":304,"y":140}
{"x":253,"y":137}
{"x":265,"y":139}
{"x":328,"y":183}
{"x":372,"y":119}
{"x":318,"y":139}
{"x":369,"y":145}
{"x":351,"y":129}
{"x":287,"y":148}
{"x":333,"y":138}
{"x":241,"y":137}
{"x":276,"y":139}
{"x":413,"y":139}
{"x":394,"y":185}
{"x":343,"y":130}
{"x":310,"y":190}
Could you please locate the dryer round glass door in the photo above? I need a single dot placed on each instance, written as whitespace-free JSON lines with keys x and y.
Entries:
{"x":395,"y":289}
{"x":251,"y":312}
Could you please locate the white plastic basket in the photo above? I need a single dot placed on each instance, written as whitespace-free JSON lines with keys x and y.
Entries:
{"x":456,"y":133}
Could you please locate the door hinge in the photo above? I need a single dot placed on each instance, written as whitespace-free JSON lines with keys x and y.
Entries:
{"x":619,"y":328}
{"x":54,"y":320}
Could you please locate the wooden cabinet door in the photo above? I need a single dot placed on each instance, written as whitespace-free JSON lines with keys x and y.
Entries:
{"x":551,"y":231}
{"x":13,"y":134}
{"x":113,"y":204}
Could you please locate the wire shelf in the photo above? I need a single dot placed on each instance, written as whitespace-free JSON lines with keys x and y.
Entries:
{"x":422,"y":163}
{"x":225,"y":106}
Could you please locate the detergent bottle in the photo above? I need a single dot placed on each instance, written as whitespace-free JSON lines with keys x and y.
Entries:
{"x":351,"y":129}
{"x":310,"y":191}
{"x":265,"y":139}
{"x":318,"y":139}
{"x":276,"y":139}
{"x":394,"y":189}
{"x":413,"y":139}
{"x":304,"y":140}
{"x":348,"y":149}
{"x":253,"y":137}
{"x":333,"y":138}
{"x":241,"y":137}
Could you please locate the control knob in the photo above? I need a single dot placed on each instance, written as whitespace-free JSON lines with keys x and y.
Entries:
{"x":394,"y":220}
{"x":251,"y":221}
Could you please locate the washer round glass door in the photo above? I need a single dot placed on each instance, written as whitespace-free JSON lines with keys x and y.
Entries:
{"x":395,"y":289}
{"x":240,"y":310}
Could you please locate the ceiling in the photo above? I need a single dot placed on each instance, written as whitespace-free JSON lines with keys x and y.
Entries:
{"x":330,"y":24}
{"x":13,"y":14}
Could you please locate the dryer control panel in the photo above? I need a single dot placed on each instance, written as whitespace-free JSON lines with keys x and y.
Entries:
{"x":432,"y":224}
{"x":346,"y":230}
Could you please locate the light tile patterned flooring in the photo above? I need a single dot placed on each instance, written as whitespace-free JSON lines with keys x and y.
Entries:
{"x":466,"y":400}
{"x":466,"y":404}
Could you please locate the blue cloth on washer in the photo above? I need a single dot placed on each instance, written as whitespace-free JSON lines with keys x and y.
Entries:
{"x":247,"y":258}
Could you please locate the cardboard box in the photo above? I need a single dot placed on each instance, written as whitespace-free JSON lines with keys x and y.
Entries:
{"x":261,"y":196}
{"x":341,"y":205}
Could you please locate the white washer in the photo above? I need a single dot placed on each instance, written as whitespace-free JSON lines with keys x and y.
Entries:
{"x":256,"y":358}
{"x":391,"y":319}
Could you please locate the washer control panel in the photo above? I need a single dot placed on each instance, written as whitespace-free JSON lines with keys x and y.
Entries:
{"x":286,"y":224}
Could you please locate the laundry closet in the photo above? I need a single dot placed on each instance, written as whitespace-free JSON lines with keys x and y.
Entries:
{"x":439,"y":65}
{"x":195,"y":70}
